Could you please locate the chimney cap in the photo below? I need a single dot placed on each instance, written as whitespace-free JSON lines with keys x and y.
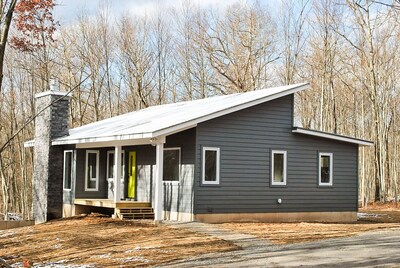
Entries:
{"x":51,"y":92}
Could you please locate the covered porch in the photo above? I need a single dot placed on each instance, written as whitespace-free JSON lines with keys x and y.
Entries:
{"x":98,"y":167}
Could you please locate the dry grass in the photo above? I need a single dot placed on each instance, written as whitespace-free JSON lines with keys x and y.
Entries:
{"x":287,"y":233}
{"x":104,"y":242}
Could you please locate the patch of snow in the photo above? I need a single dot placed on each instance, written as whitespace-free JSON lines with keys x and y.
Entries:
{"x":136,"y":258}
{"x":137,"y":249}
{"x":368,"y":215}
{"x":9,"y":233}
{"x":103,"y":256}
{"x":57,"y":246}
{"x":14,"y":216}
{"x":57,"y":264}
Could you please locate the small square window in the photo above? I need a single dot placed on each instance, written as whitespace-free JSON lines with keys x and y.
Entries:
{"x":278,"y":167}
{"x":210,"y":165}
{"x":325,"y":167}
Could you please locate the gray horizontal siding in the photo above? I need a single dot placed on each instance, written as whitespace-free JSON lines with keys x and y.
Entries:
{"x":245,"y":139}
{"x":80,"y":175}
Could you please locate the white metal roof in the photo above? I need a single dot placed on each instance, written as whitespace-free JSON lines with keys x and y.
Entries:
{"x":166,"y":119}
{"x":332,"y":136}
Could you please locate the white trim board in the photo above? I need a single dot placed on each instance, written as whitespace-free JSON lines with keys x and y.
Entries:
{"x":332,"y":136}
{"x":53,"y":92}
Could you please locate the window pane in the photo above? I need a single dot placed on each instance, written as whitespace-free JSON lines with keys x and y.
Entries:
{"x":171,"y":165}
{"x":67,"y":170}
{"x":91,"y":169}
{"x":210,"y":170}
{"x":325,"y":168}
{"x":278,"y":167}
{"x":111,"y":165}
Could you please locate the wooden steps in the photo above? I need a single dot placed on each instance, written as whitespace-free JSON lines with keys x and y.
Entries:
{"x":135,"y":213}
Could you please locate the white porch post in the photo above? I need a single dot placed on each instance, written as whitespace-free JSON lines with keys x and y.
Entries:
{"x":158,"y":185}
{"x":117,"y":173}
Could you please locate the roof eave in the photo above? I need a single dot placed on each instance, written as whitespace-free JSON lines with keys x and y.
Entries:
{"x":332,"y":136}
{"x":66,"y":141}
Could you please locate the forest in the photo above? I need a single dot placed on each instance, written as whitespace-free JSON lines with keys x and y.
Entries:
{"x":348,"y":50}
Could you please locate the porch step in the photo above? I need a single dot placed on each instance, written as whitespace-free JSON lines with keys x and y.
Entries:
{"x":137,"y":216}
{"x":135,"y":213}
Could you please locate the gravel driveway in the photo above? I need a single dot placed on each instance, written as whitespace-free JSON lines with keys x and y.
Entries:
{"x":370,"y":249}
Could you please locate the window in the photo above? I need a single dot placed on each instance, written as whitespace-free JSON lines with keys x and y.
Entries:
{"x":67,"y":170}
{"x":278,"y":168}
{"x":110,"y":165}
{"x":210,"y":165}
{"x":92,"y":171}
{"x":172,"y":162}
{"x":325,"y":169}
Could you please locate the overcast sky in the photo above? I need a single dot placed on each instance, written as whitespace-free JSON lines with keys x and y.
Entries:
{"x":66,"y":10}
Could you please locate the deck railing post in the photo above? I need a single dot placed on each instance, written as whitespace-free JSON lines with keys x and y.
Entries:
{"x":158,"y":185}
{"x":117,"y":174}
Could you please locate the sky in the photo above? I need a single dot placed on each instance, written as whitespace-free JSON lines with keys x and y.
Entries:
{"x":67,"y":10}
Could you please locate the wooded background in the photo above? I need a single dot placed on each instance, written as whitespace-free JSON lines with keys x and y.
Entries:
{"x":347,"y":50}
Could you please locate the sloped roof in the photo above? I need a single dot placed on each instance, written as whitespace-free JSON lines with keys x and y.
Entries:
{"x":170,"y":118}
{"x":331,"y":136}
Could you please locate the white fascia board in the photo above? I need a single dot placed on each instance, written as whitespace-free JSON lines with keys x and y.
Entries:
{"x":332,"y":136}
{"x":194,"y":122}
{"x":102,"y":139}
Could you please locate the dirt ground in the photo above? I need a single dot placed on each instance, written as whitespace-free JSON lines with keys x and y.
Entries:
{"x":95,"y":241}
{"x":375,"y":216}
{"x":99,"y":241}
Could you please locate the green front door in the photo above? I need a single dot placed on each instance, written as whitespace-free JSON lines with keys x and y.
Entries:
{"x":132,"y":175}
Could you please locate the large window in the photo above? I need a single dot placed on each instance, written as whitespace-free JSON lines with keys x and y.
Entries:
{"x":110,"y":165}
{"x":278,"y":167}
{"x":68,"y":170}
{"x":172,"y":162}
{"x":92,"y":170}
{"x":325,"y":169}
{"x":210,"y":165}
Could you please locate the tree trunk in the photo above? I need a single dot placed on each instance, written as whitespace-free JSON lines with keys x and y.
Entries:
{"x":4,"y":37}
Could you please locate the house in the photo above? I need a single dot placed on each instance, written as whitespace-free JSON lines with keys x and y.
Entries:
{"x":235,"y":157}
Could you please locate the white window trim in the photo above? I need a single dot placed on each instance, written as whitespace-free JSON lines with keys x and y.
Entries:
{"x":273,"y":152}
{"x":97,"y":152}
{"x":216,"y":149}
{"x":330,"y":183}
{"x":72,"y":159}
{"x":179,"y":166}
{"x":122,"y":166}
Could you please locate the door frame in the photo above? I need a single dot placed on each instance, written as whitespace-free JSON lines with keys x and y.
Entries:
{"x":134,"y":181}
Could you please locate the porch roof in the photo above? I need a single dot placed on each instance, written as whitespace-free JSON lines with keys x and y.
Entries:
{"x":162,"y":120}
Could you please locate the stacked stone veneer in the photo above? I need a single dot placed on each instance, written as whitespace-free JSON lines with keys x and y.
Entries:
{"x":48,"y":160}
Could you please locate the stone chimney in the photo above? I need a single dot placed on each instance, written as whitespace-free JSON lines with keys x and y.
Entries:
{"x":48,"y":160}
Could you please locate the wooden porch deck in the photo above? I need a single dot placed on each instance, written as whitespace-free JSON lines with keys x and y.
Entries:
{"x":122,"y":209}
{"x":107,"y":203}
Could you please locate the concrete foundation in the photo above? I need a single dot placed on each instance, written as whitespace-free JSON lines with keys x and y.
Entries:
{"x":347,"y":216}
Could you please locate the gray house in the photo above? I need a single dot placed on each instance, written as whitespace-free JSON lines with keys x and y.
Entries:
{"x":236,"y":157}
